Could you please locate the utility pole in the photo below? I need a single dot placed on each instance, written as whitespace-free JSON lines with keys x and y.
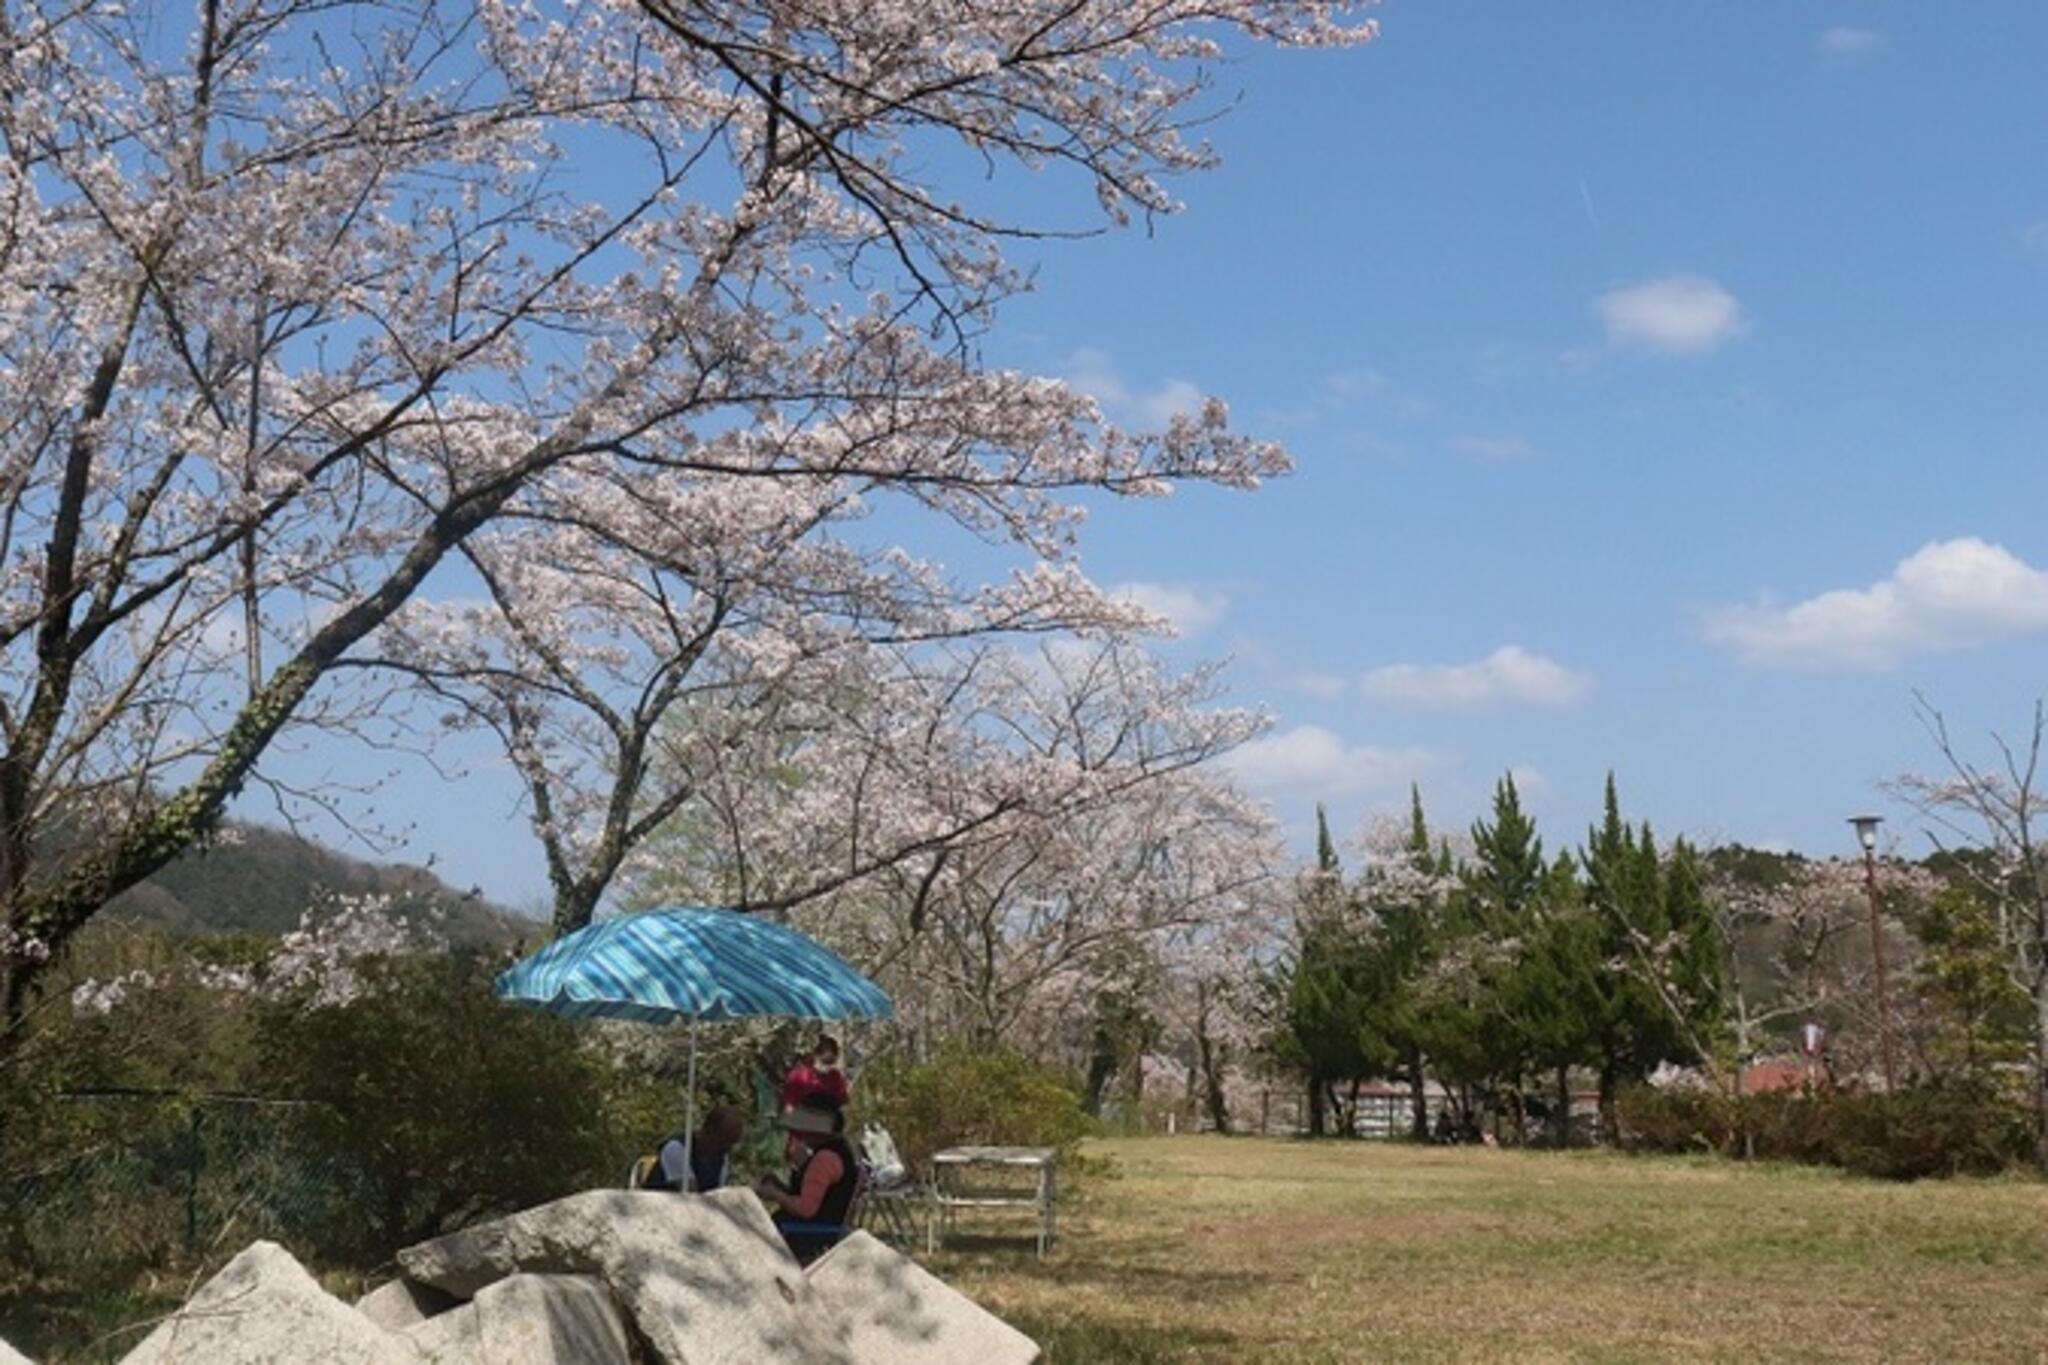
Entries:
{"x":1866,"y":835}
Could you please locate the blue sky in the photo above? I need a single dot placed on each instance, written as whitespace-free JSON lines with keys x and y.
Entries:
{"x":1609,"y":339}
{"x":1607,"y":335}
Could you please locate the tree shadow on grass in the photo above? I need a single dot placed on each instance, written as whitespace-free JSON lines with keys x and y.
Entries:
{"x":1071,"y":1341}
{"x":1159,"y":1272}
{"x":78,"y":1323}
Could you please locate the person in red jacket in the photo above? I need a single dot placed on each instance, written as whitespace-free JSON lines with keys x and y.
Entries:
{"x":816,"y":1077}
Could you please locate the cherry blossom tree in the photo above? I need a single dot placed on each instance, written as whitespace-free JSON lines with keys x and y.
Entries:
{"x":1208,"y":991}
{"x":1985,"y":815}
{"x":625,"y":701}
{"x":1810,"y":960}
{"x":997,"y":834}
{"x":316,"y":318}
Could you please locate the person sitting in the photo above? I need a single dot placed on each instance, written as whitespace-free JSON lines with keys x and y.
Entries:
{"x":817,"y":1075}
{"x":811,"y":1208}
{"x":705,"y":1162}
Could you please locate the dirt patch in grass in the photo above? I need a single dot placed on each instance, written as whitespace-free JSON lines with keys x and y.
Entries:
{"x":1302,"y":1231}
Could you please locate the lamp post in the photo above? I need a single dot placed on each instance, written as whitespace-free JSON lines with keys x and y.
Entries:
{"x":1866,"y":835}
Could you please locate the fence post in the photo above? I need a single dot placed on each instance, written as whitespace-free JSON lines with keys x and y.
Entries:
{"x":198,"y":1160}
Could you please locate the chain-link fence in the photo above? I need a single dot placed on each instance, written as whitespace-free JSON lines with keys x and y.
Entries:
{"x":167,"y":1178}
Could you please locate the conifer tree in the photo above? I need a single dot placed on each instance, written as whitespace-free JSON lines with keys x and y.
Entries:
{"x":1659,"y":990}
{"x":1500,"y":889}
{"x":1507,"y":858}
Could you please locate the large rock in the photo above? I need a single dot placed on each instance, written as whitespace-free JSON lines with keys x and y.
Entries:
{"x":897,"y":1313}
{"x":705,"y":1279}
{"x":451,"y":1338}
{"x":529,"y":1320}
{"x":263,"y":1308}
{"x":400,"y":1304}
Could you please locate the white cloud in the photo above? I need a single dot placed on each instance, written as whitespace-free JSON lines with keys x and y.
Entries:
{"x":1948,"y":594}
{"x":1530,"y":783}
{"x":2034,"y":237}
{"x":1174,"y":398}
{"x":1496,"y":448}
{"x":1369,"y":388}
{"x":1680,"y":314}
{"x":1093,"y":372}
{"x":1311,"y":761}
{"x":1323,"y":686}
{"x":1845,"y":44}
{"x":1189,"y":609}
{"x":1509,"y":674}
{"x":1344,"y":386}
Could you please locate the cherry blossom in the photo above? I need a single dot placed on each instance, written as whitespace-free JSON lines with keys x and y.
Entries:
{"x":537,"y":364}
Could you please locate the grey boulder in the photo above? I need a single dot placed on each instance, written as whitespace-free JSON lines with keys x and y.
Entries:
{"x":897,"y":1313}
{"x":399,"y":1304}
{"x":263,"y":1308}
{"x":704,"y":1279}
{"x":529,"y":1320}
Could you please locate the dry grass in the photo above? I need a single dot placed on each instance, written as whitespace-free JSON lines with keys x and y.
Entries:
{"x":1262,"y":1249}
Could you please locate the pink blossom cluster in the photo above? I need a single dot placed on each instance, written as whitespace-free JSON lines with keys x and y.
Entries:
{"x":339,"y":396}
{"x":319,"y":964}
{"x":19,"y":947}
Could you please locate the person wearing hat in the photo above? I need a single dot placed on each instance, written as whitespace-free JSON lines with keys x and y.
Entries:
{"x":812,"y":1207}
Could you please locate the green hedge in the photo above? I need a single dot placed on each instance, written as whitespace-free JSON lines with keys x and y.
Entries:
{"x":966,"y":1095}
{"x":1908,"y":1135}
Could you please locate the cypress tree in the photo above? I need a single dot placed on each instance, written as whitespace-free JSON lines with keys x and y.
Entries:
{"x":1507,"y":856}
{"x":1326,"y":847}
{"x":1418,"y":828}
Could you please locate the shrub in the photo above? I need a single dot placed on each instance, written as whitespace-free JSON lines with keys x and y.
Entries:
{"x":967,"y":1095}
{"x":1787,"y":1125}
{"x":437,"y":1104}
{"x":1907,"y":1135}
{"x":1927,"y":1132}
{"x":1677,"y":1120}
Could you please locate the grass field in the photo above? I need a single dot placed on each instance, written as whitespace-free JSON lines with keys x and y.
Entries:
{"x":1232,"y":1249}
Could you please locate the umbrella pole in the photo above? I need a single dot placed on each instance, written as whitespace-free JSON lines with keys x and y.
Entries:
{"x":690,"y":1107}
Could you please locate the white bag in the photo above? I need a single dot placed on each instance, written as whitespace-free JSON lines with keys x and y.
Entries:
{"x":878,"y":1149}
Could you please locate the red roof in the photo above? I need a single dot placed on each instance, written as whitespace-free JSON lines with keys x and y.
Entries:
{"x":1762,"y":1078}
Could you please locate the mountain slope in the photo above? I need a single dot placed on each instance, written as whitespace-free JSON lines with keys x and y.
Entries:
{"x":260,"y":880}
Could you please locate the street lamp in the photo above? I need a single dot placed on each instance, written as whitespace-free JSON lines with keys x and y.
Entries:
{"x":1866,"y":835}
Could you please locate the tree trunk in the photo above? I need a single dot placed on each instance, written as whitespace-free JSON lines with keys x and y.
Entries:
{"x":1102,"y":1061}
{"x":1608,"y":1128}
{"x":1564,"y":1107}
{"x":13,"y":1007}
{"x":1316,"y":1116}
{"x":2041,"y":1064}
{"x":1212,"y":1083}
{"x":1418,"y":1097}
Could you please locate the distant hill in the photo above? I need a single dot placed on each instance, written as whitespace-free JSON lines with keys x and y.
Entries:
{"x":259,"y":880}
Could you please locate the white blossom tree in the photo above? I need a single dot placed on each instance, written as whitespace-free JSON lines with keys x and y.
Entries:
{"x":997,"y":834}
{"x":315,"y":313}
{"x":1986,"y":814}
{"x":1807,"y":941}
{"x":1208,"y":990}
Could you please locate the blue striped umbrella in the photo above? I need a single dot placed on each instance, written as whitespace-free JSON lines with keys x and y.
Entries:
{"x":691,"y":963}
